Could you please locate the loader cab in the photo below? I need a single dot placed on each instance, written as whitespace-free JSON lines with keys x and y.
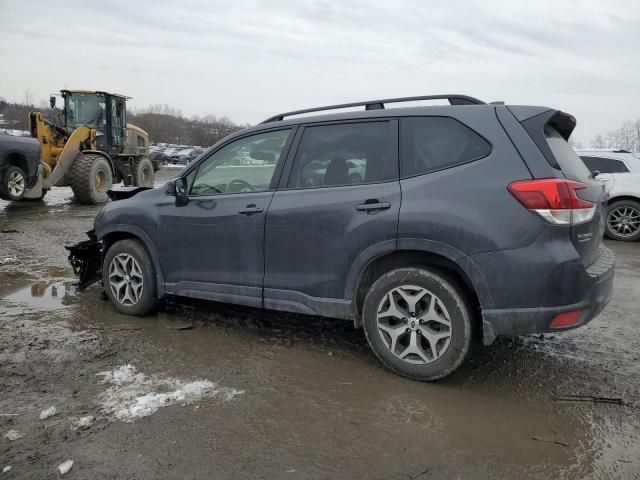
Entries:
{"x":100,"y":110}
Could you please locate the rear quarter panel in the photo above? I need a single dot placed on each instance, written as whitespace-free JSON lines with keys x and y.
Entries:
{"x":468,"y":207}
{"x":27,"y":147}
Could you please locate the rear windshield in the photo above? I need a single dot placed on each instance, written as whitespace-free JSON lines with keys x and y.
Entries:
{"x":567,"y":158}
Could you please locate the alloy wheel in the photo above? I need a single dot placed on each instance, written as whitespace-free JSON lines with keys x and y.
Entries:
{"x":624,"y":221}
{"x":16,"y":183}
{"x":414,"y":324}
{"x":125,"y":279}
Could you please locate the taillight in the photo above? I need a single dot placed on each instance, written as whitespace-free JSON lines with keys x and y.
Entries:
{"x":554,"y":199}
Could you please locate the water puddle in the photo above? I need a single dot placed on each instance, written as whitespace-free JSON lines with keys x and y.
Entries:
{"x":45,"y":294}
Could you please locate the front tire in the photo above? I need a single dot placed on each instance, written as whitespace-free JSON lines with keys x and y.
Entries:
{"x":623,"y":221}
{"x":129,"y":279}
{"x":418,"y":323}
{"x":13,"y":183}
{"x":91,"y":178}
{"x":143,"y":172}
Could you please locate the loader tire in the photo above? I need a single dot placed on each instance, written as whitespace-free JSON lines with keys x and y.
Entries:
{"x":91,"y":178}
{"x":143,"y":172}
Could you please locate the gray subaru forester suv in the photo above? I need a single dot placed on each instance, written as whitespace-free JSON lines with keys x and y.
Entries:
{"x":426,"y":226}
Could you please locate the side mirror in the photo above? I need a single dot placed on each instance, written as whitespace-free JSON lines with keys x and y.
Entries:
{"x":181,"y":191}
{"x":52,"y":101}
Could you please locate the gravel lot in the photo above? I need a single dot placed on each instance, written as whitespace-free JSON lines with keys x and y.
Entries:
{"x":211,"y":391}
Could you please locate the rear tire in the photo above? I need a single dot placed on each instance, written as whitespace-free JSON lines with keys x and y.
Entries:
{"x":143,"y":172}
{"x":13,"y":183}
{"x":623,"y":221}
{"x":418,"y":323}
{"x":91,"y":178}
{"x":129,"y":279}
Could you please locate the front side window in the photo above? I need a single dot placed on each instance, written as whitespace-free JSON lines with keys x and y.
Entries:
{"x":246,"y":165}
{"x":344,"y":154}
{"x":429,"y":144}
{"x":118,"y":121}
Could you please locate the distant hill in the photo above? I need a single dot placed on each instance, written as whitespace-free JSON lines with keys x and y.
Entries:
{"x":162,"y":127}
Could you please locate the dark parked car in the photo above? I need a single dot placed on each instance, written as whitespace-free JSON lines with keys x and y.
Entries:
{"x":19,"y":162}
{"x":468,"y":221}
{"x":186,"y":155}
{"x":158,"y":158}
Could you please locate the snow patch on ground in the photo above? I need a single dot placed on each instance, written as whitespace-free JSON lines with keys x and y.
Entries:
{"x":133,"y":395}
{"x":13,"y":435}
{"x":15,"y":133}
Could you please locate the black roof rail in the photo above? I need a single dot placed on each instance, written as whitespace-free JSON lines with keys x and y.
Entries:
{"x":454,"y":99}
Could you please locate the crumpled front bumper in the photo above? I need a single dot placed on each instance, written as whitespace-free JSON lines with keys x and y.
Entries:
{"x":86,"y":260}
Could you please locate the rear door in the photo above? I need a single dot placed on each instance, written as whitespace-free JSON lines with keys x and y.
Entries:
{"x":339,"y":195}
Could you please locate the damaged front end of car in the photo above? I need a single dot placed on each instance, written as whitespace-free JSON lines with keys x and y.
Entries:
{"x":86,"y":260}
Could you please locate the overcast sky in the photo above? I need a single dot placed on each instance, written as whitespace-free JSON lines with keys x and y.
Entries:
{"x":250,"y":59}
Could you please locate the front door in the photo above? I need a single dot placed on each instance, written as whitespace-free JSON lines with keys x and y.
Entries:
{"x":213,"y":247}
{"x":342,"y":196}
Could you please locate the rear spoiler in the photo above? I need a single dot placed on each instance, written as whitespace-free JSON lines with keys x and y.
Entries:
{"x":563,"y":122}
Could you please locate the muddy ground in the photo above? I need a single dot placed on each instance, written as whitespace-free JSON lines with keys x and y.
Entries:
{"x":210,"y":391}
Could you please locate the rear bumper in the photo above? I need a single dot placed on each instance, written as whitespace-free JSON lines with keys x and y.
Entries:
{"x":519,"y":321}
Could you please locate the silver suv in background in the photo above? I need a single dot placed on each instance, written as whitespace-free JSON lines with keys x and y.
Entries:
{"x":620,"y":169}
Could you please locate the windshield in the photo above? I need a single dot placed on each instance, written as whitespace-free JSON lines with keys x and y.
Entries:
{"x":85,"y":109}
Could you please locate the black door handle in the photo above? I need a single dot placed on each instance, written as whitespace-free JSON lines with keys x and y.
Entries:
{"x":250,"y":210}
{"x":370,"y":205}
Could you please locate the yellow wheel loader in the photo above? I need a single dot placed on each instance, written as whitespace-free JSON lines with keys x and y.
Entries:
{"x":94,"y":148}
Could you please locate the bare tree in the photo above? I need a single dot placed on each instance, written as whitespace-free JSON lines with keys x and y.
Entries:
{"x":626,"y":137}
{"x":575,"y":144}
{"x":166,"y":124}
{"x":598,"y":142}
{"x":28,"y":97}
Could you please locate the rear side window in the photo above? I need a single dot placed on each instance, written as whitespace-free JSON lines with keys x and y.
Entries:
{"x":434,"y":143}
{"x":604,"y":165}
{"x":345,"y":154}
{"x":567,"y":158}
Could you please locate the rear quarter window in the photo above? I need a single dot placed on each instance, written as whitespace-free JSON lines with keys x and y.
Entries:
{"x":568,"y":160}
{"x":604,"y":165}
{"x":429,"y":144}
